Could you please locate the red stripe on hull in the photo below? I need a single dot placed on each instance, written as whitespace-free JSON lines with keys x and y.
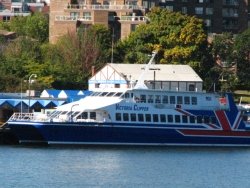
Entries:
{"x":214,"y":133}
{"x":223,"y":120}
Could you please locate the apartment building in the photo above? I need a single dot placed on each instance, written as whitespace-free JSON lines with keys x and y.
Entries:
{"x":219,"y":15}
{"x":122,"y":15}
{"x":12,"y":8}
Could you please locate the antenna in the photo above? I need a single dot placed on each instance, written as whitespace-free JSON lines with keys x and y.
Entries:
{"x":140,"y":83}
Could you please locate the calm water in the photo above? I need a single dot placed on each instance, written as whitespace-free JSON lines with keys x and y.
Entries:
{"x":26,"y":166}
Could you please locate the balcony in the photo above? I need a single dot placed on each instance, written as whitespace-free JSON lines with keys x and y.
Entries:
{"x":132,"y":18}
{"x":105,"y":7}
{"x":73,"y":18}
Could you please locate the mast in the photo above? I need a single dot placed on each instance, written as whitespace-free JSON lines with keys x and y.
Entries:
{"x":140,"y":83}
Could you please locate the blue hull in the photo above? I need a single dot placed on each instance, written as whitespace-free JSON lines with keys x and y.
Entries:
{"x":113,"y":135}
{"x":27,"y":133}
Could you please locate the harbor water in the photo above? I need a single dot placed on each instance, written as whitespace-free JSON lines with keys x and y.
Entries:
{"x":88,"y":166}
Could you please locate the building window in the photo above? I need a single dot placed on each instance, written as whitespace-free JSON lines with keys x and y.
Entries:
{"x":209,"y":11}
{"x":231,"y":2}
{"x":170,"y":8}
{"x":74,"y":15}
{"x":199,"y":1}
{"x":229,"y":12}
{"x":6,"y":18}
{"x":86,"y":16}
{"x":208,"y":22}
{"x":184,"y":1}
{"x":199,"y":10}
{"x":184,"y":10}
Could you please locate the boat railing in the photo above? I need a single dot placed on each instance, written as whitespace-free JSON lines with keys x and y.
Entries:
{"x":22,"y":117}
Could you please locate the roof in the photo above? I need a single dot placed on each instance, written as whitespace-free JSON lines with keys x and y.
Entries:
{"x":162,"y":72}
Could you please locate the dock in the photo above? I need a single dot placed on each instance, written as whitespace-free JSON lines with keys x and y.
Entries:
{"x":7,"y":137}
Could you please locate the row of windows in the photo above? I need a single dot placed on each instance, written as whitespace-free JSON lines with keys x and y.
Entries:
{"x":133,"y":117}
{"x":165,"y":99}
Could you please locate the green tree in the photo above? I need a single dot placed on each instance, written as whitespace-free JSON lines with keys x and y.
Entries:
{"x":178,"y":38}
{"x":242,"y":52}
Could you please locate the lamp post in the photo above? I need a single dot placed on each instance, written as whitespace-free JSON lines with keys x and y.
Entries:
{"x":32,"y":75}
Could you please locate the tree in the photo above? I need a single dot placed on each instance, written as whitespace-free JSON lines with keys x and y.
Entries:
{"x":242,"y":53}
{"x":79,"y":52}
{"x":35,"y":26}
{"x":178,"y":38}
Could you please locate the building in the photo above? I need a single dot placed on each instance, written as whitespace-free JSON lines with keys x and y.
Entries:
{"x":219,"y":15}
{"x":12,"y":8}
{"x":166,"y":77}
{"x":121,"y":15}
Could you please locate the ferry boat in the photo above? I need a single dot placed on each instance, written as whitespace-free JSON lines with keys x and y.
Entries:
{"x":139,"y":116}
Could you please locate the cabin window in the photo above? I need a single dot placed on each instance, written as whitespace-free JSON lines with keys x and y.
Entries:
{"x":172,"y":99}
{"x":165,"y":99}
{"x":194,"y":100}
{"x":162,"y":118}
{"x":125,"y":117}
{"x":170,"y":118}
{"x":179,"y":100}
{"x":150,"y":99}
{"x":118,"y":94}
{"x":192,"y":119}
{"x":143,"y":98}
{"x":157,"y":99}
{"x":140,"y":117}
{"x":110,"y":94}
{"x":186,"y":100}
{"x":206,"y":119}
{"x":148,"y":117}
{"x":184,"y":119}
{"x":104,"y":93}
{"x":117,"y":85}
{"x":155,"y":118}
{"x":92,"y":115}
{"x":199,"y":119}
{"x":177,"y":119}
{"x":133,"y":117}
{"x":126,"y":95}
{"x":118,"y":117}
